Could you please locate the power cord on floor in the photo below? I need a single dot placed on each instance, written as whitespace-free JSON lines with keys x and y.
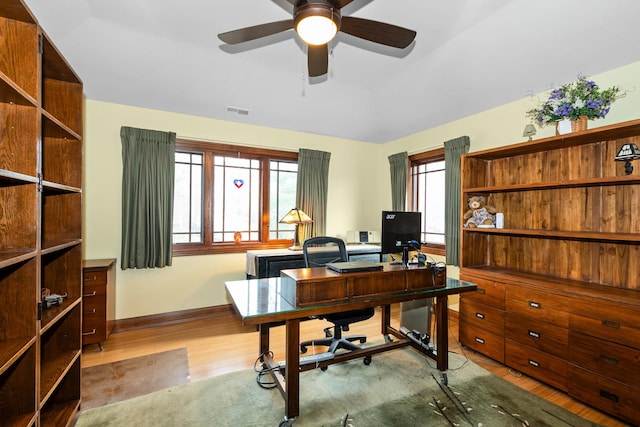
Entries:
{"x":261,"y":368}
{"x":486,"y":361}
{"x":464,"y":354}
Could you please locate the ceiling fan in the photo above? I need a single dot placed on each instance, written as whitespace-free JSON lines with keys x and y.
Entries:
{"x":317,"y":22}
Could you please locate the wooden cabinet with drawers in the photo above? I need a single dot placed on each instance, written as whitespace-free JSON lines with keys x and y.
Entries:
{"x":604,"y":355}
{"x":566,"y":260}
{"x":536,"y":334}
{"x":579,"y":338}
{"x":98,"y":300}
{"x":482,"y":317}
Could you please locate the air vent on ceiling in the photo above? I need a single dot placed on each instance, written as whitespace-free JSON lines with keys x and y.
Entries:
{"x":237,"y":110}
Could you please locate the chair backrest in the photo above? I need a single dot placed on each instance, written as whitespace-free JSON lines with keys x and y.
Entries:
{"x":321,"y":250}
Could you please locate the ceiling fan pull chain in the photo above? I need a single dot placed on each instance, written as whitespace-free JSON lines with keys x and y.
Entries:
{"x":331,"y":59}
{"x":303,"y":86}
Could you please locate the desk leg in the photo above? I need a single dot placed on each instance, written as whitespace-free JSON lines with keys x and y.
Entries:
{"x":442,"y":331}
{"x":292,"y":373}
{"x":386,"y":322}
{"x":264,"y":338}
{"x":386,"y":318}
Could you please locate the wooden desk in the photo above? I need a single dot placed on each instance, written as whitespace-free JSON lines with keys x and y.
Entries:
{"x":259,"y":302}
{"x":269,"y":262}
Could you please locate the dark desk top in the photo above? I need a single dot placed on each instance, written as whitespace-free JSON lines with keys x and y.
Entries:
{"x":253,"y":256}
{"x":259,"y":300}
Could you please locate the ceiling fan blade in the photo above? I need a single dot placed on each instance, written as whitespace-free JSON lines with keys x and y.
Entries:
{"x":318,"y":60}
{"x":257,"y":31}
{"x":378,"y":32}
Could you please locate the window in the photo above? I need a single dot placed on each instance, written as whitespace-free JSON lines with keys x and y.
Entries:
{"x":230,"y":198}
{"x":426,"y":195}
{"x":187,"y":198}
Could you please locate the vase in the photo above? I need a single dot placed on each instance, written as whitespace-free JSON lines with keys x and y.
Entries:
{"x":569,"y":126}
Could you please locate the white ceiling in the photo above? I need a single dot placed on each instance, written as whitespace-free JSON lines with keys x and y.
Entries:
{"x":468,"y":56}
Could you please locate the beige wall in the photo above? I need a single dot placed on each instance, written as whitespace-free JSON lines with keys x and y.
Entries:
{"x":359,"y":184}
{"x":193,"y":282}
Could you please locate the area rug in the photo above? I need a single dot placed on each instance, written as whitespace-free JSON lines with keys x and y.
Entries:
{"x":125,"y":379}
{"x":399,"y":388}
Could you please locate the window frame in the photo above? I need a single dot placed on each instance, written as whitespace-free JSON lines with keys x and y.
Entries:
{"x":209,"y":150}
{"x":435,"y":155}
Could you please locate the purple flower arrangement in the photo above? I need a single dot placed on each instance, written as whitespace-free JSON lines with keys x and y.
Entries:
{"x":570,"y":101}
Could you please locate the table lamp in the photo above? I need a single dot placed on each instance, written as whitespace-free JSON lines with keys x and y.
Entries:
{"x":627,"y":153}
{"x":297,"y":217}
{"x":529,"y":130}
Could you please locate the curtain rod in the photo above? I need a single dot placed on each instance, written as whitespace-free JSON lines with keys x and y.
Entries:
{"x":422,"y":150}
{"x":222,"y":141}
{"x":246,"y":144}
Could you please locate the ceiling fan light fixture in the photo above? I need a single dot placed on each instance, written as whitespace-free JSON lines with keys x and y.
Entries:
{"x":317,"y":24}
{"x":317,"y":30}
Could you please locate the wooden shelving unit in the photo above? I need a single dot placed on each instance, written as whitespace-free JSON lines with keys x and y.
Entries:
{"x":40,"y":225}
{"x":559,"y":290}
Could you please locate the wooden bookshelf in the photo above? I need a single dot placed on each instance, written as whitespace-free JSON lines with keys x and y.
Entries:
{"x":559,"y":291}
{"x":40,"y":225}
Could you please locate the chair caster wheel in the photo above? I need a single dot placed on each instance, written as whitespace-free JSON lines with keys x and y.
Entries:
{"x":324,"y":368}
{"x":303,"y":349}
{"x":367,"y":360}
{"x":287,"y":422}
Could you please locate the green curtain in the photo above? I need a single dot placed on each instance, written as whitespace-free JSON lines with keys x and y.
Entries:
{"x":453,"y":149}
{"x":312,"y":189}
{"x":399,"y":166}
{"x":148,"y":165}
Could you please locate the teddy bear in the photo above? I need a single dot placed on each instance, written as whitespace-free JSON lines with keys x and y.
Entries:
{"x":479,"y":213}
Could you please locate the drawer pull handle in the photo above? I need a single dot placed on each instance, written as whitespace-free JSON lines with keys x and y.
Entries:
{"x":534,"y":304}
{"x":89,"y":333}
{"x":534,"y":363}
{"x":479,"y":340}
{"x":479,"y":315}
{"x":90,"y":279}
{"x":609,"y":359}
{"x":611,"y":324}
{"x":480,"y":291}
{"x":93,"y":294}
{"x":609,"y":396}
{"x":534,"y":334}
{"x":90,"y":312}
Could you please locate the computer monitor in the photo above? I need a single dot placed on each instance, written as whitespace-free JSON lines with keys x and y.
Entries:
{"x":400,"y":232}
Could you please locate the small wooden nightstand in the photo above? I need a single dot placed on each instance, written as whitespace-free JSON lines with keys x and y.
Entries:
{"x":98,"y":300}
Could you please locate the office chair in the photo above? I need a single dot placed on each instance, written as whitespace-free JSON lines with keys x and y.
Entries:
{"x":319,"y":251}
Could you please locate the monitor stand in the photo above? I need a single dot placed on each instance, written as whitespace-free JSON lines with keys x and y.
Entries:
{"x":405,"y":257}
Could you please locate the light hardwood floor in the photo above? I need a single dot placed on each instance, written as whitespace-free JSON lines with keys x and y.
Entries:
{"x":220,"y":345}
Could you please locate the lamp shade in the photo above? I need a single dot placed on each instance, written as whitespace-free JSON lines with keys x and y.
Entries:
{"x":296,"y":216}
{"x":529,"y":130}
{"x":628,"y":152}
